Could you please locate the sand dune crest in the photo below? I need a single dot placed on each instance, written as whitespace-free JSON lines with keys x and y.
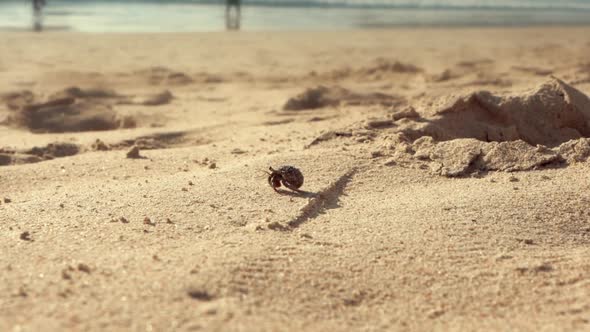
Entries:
{"x":322,"y":96}
{"x":480,"y":132}
{"x":551,"y":114}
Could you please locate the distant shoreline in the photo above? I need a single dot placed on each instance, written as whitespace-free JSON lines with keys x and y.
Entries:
{"x":350,"y":4}
{"x":104,"y":16}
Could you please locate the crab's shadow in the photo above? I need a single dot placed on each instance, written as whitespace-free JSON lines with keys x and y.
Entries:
{"x":299,"y":193}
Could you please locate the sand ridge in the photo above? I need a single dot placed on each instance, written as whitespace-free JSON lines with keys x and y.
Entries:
{"x":483,"y":132}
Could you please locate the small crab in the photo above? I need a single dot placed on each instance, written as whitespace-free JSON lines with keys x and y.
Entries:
{"x":288,"y":176}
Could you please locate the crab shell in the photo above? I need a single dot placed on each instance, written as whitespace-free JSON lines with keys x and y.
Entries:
{"x":291,"y":175}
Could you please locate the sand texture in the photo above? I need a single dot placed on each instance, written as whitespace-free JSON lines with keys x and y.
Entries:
{"x":447,"y":181}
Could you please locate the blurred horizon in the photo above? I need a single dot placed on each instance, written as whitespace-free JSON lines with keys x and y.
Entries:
{"x":208,"y":15}
{"x":392,"y":4}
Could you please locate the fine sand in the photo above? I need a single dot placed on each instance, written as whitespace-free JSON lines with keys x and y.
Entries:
{"x":447,"y":181}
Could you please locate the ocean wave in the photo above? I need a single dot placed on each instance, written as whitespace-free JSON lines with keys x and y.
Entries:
{"x":391,"y":4}
{"x":431,"y":4}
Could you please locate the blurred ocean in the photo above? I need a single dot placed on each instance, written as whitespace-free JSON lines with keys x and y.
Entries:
{"x":208,"y":15}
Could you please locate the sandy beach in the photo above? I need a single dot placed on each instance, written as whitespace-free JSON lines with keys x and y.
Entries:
{"x":446,"y":188}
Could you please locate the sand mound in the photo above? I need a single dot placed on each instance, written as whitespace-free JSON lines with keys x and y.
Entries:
{"x":161,"y":98}
{"x":164,"y":76}
{"x":379,"y":69}
{"x":310,"y":99}
{"x":480,"y":132}
{"x":37,"y":154}
{"x":323,"y":96}
{"x":382,"y":66}
{"x":54,"y":150}
{"x":162,"y":140}
{"x":533,"y":70}
{"x":76,"y":92}
{"x":18,"y":159}
{"x":18,"y":99}
{"x":65,"y":115}
{"x":550,"y":115}
{"x":70,"y":110}
{"x":466,"y":156}
{"x":575,"y":150}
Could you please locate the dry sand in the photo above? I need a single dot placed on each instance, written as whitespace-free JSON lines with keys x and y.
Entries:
{"x":446,"y":181}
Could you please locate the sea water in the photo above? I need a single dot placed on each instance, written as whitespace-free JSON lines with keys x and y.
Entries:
{"x":208,"y":15}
